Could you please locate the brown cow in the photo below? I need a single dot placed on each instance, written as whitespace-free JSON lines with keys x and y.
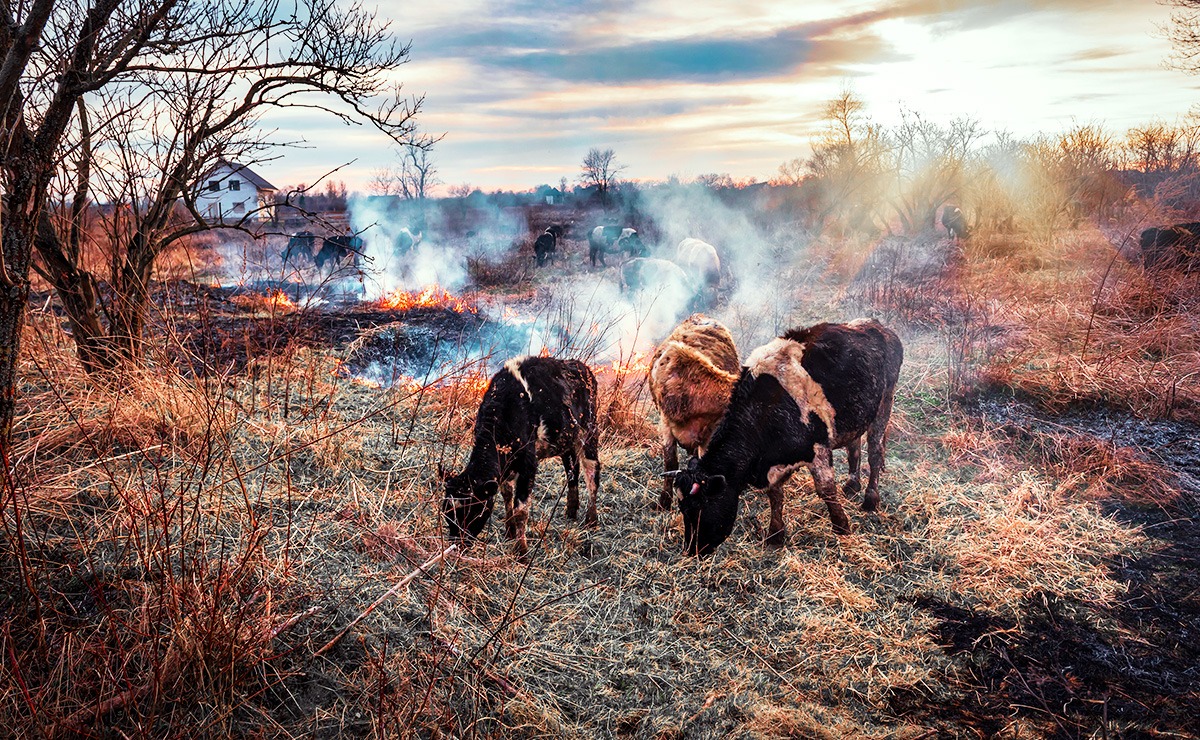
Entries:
{"x":691,"y":377}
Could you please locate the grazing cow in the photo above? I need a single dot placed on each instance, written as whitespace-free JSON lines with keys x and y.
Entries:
{"x":336,"y":249}
{"x":1171,"y":246}
{"x":955,"y":223}
{"x":800,"y":397}
{"x":547,"y":244}
{"x":654,"y":276}
{"x":611,"y":239}
{"x":406,"y":241}
{"x":299,"y":245}
{"x":700,"y":262}
{"x":691,"y":377}
{"x":535,"y":407}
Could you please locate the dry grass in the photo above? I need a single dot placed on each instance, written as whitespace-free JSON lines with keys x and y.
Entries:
{"x":185,"y":546}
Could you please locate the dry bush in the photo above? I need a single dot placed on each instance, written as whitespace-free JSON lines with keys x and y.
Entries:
{"x":512,"y":271}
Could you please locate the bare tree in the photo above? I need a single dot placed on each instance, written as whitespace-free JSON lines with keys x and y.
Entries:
{"x":413,"y":177}
{"x":1183,"y":31}
{"x":178,"y":85}
{"x":926,"y":166}
{"x":599,"y":169}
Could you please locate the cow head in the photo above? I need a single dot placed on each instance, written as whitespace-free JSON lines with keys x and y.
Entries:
{"x":704,"y":502}
{"x":468,"y":504}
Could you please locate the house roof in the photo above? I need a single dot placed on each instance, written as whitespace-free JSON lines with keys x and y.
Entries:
{"x":251,"y":176}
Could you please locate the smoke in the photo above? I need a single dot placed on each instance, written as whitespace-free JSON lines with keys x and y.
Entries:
{"x":448,"y":238}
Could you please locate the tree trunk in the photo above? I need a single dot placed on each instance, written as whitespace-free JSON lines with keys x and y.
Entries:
{"x":22,"y":206}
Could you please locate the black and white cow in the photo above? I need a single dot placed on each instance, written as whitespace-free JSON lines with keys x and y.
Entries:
{"x":336,"y":250}
{"x":546,"y":244}
{"x":300,"y":246}
{"x":535,"y":407}
{"x":799,"y":397}
{"x":955,"y":223}
{"x":613,"y":239}
{"x":406,"y":241}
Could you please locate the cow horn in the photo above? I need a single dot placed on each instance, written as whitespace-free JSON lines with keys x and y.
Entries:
{"x":671,"y":473}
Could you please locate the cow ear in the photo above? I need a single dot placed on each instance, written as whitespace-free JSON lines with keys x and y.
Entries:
{"x":490,"y":488}
{"x":717,"y":482}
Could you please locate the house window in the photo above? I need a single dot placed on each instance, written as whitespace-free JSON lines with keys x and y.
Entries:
{"x":235,"y":184}
{"x":239,"y":208}
{"x":214,"y":185}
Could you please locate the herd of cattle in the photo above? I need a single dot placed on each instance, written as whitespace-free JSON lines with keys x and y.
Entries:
{"x":792,"y":403}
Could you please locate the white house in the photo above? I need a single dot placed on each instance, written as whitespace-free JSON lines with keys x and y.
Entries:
{"x":232,"y":190}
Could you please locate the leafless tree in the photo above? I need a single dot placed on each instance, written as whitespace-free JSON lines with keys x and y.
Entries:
{"x":1183,"y":31}
{"x":599,"y":169}
{"x":846,"y":165}
{"x":926,"y":166}
{"x":136,"y":100}
{"x":413,"y":177}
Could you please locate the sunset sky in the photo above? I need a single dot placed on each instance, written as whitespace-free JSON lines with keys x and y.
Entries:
{"x":522,"y":89}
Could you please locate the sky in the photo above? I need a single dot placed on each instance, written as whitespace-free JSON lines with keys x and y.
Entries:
{"x":521,"y":90}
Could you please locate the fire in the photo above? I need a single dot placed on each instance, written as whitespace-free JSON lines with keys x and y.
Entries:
{"x":274,"y":301}
{"x":638,"y":362}
{"x":431,"y":296}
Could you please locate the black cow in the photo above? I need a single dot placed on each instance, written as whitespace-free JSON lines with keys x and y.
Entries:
{"x":535,"y":407}
{"x":547,"y":244}
{"x":955,"y":223}
{"x":336,"y":249}
{"x":1171,"y":246}
{"x":799,"y":397}
{"x":299,"y":245}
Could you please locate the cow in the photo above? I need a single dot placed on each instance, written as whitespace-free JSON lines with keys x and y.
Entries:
{"x":691,"y":376}
{"x":612,"y":239}
{"x":955,"y":223}
{"x":299,"y":245}
{"x":1171,"y":246}
{"x":546,"y":244}
{"x":700,"y":262}
{"x":406,"y":241}
{"x":799,"y":397}
{"x":648,"y":274}
{"x":337,"y":248}
{"x":533,"y":408}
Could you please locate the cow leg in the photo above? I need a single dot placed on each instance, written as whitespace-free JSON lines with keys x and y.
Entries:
{"x":670,"y":462}
{"x":571,"y":465}
{"x":826,"y":485}
{"x":588,"y":452}
{"x":776,"y":531}
{"x":854,"y":462}
{"x":876,"y":445}
{"x":518,"y":513}
{"x":506,"y":489}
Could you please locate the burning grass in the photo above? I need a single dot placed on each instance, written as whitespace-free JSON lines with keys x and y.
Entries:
{"x":185,"y":550}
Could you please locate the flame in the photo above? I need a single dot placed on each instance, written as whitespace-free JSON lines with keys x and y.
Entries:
{"x":638,"y":362}
{"x":273,"y":301}
{"x":431,"y":296}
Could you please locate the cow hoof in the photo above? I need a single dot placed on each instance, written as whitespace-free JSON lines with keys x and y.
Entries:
{"x":591,"y":520}
{"x":572,"y":513}
{"x":852,"y":487}
{"x":776,"y":540}
{"x":871,"y":502}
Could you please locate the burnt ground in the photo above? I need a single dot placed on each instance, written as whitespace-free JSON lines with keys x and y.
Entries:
{"x":1071,"y":664}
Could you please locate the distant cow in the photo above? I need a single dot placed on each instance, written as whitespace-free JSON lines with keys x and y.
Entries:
{"x":546,"y":245}
{"x":701,"y":264}
{"x":406,"y":241}
{"x":799,"y":397}
{"x":612,"y":239}
{"x":655,"y":276}
{"x":536,"y":407}
{"x":955,"y":223}
{"x":1175,"y":246}
{"x":336,"y":250}
{"x":691,"y":377}
{"x":299,"y":246}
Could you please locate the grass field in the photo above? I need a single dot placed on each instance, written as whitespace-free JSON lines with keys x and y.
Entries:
{"x":181,"y":548}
